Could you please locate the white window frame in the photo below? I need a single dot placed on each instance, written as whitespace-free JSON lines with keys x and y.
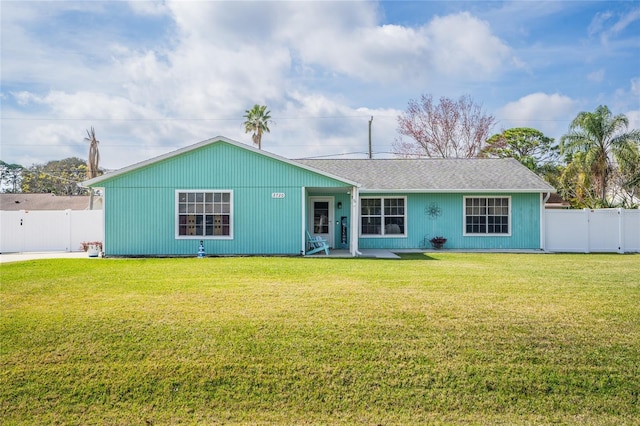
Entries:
{"x":203,"y":237}
{"x":382,"y":233}
{"x":486,"y":234}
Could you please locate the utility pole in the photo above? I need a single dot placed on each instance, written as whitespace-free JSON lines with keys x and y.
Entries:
{"x":370,"y":121}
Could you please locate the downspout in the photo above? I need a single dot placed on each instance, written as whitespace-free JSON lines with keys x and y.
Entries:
{"x":543,"y":221}
{"x":104,"y":222}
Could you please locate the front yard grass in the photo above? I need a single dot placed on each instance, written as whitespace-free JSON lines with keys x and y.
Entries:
{"x":444,"y":338}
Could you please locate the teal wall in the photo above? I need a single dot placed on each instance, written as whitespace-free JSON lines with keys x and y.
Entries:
{"x":140,"y":205}
{"x":140,"y":208}
{"x":525,"y":224}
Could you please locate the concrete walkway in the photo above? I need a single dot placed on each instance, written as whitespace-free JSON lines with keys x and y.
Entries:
{"x":367,"y":253}
{"x":19,"y":257}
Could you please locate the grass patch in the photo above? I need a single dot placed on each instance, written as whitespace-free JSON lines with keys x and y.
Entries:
{"x":449,"y":338}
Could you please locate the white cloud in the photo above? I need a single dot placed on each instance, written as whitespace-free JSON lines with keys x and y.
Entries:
{"x":634,"y":95}
{"x":549,"y":113}
{"x":223,"y":57}
{"x":635,"y":87}
{"x":596,"y":76}
{"x":624,"y":21}
{"x":323,"y":68}
{"x":464,"y":45}
{"x":458,"y":45}
{"x":634,"y":119}
{"x":152,"y":8}
{"x":598,"y":22}
{"x":627,"y":101}
{"x":607,"y":25}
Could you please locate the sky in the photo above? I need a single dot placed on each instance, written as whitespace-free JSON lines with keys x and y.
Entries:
{"x":153,"y":77}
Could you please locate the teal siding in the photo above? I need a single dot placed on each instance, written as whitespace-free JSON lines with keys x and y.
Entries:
{"x":140,"y":205}
{"x":525,"y":224}
{"x":140,"y":210}
{"x":345,"y":199}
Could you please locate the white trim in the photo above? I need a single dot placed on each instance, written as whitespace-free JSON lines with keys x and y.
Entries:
{"x":303,"y":222}
{"x":355,"y":221}
{"x":104,"y":221}
{"x":405,"y":234}
{"x":486,"y":234}
{"x":176,"y":215}
{"x":330,"y":220}
{"x":454,"y":191}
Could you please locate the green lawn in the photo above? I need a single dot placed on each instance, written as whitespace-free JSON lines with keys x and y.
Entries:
{"x":447,"y":338}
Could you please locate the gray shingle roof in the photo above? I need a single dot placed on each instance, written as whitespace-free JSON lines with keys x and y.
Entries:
{"x":436,"y":175}
{"x":15,"y":202}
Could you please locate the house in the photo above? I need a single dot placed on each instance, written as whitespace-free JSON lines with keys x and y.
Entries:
{"x":555,"y":201}
{"x":239,"y":200}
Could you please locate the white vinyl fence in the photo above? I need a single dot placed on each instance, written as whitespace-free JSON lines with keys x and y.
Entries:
{"x":592,"y":231}
{"x":39,"y":230}
{"x":583,"y":231}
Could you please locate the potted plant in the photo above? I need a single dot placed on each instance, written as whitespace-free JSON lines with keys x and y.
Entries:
{"x":437,"y":242}
{"x":92,"y":248}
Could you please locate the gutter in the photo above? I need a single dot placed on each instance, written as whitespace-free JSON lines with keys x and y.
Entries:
{"x":458,"y":191}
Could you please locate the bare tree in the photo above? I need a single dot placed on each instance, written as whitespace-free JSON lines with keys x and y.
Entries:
{"x":94,"y":154}
{"x":10,"y":176}
{"x":448,"y":129}
{"x":93,"y":160}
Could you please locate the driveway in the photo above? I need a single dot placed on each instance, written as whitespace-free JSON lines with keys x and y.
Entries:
{"x":18,"y":257}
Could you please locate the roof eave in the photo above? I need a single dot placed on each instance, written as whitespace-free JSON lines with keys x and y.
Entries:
{"x":457,"y":190}
{"x":142,"y":164}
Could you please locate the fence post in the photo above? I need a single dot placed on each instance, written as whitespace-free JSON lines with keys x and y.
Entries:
{"x":587,"y":217}
{"x":620,"y":230}
{"x":69,"y":225}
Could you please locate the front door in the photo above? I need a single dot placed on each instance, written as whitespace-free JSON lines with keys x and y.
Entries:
{"x":321,"y":218}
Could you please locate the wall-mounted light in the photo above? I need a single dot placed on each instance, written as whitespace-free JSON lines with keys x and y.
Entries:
{"x":339,"y":205}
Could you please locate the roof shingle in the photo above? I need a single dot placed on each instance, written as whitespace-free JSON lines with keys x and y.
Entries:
{"x":16,"y":202}
{"x":436,"y":175}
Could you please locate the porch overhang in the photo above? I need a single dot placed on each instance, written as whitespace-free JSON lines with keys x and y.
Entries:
{"x":354,"y":197}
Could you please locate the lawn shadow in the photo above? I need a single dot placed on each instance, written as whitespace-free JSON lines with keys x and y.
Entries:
{"x":415,"y":256}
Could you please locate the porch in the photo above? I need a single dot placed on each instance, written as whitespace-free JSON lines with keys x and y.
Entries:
{"x":367,"y":253}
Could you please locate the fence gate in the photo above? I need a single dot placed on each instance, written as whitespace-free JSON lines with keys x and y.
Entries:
{"x":587,"y":231}
{"x":59,"y":230}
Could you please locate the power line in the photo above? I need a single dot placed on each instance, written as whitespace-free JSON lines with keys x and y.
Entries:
{"x":310,"y":117}
{"x":332,"y":155}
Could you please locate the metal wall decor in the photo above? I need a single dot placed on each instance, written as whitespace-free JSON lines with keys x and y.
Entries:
{"x":433,"y":211}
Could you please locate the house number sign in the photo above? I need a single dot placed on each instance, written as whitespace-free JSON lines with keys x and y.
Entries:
{"x":277,"y":195}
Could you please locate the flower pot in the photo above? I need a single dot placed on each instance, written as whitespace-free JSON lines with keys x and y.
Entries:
{"x":438,"y":242}
{"x":93,"y":250}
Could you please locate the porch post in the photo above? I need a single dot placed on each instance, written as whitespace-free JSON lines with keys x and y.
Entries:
{"x":355,"y":221}
{"x":303,"y":209}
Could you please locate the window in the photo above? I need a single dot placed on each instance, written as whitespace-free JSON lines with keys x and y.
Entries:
{"x":487,"y":215}
{"x":382,"y":216}
{"x":204,"y":214}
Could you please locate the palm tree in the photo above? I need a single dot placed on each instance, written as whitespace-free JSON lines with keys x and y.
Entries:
{"x":604,"y":140}
{"x":257,"y":121}
{"x":574,"y":183}
{"x":94,"y":154}
{"x":93,"y":160}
